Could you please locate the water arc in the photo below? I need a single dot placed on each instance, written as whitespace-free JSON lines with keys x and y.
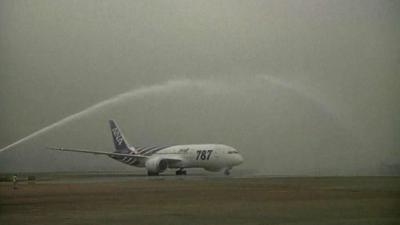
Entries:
{"x":135,"y":93}
{"x":169,"y":86}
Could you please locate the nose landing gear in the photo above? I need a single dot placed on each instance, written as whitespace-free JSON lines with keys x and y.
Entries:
{"x":180,"y":172}
{"x":227,"y":171}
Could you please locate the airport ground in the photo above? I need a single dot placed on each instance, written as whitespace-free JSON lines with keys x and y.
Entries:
{"x":202,"y":200}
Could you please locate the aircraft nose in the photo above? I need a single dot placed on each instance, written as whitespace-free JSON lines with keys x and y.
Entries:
{"x":239,"y":159}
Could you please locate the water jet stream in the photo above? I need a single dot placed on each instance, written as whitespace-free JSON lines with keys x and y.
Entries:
{"x":135,"y":93}
{"x":210,"y":86}
{"x":300,"y":90}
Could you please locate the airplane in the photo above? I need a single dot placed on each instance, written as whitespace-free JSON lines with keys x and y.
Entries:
{"x":157,"y":159}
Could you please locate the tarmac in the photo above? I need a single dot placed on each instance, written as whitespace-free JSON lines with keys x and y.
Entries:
{"x":200,"y":199}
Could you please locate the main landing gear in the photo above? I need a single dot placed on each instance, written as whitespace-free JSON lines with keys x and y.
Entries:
{"x":151,"y":173}
{"x":180,"y":172}
{"x":227,"y":171}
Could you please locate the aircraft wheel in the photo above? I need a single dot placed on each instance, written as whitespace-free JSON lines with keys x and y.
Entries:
{"x":152,"y":174}
{"x":227,"y":172}
{"x":180,"y":172}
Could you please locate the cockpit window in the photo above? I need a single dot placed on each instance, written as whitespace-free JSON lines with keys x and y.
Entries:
{"x":233,"y":152}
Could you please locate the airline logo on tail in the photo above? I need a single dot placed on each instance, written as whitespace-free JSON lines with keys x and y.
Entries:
{"x":117,"y":135}
{"x":120,"y":144}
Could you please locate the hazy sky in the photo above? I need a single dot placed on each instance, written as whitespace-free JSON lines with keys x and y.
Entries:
{"x":299,"y":87}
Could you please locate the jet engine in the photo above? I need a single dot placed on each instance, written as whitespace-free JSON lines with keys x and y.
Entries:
{"x":156,"y":165}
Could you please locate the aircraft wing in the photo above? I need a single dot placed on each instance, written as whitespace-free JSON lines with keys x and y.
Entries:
{"x":97,"y":152}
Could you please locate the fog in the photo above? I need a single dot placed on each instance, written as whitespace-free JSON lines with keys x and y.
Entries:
{"x":298,"y":87}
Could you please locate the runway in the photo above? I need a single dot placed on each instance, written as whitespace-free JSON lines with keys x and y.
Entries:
{"x":200,"y":199}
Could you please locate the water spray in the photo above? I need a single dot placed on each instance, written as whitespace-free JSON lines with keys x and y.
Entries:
{"x":135,"y":93}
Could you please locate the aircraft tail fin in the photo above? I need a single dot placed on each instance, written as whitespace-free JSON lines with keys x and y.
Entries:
{"x":120,"y":143}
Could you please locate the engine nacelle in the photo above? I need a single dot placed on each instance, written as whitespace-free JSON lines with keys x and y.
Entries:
{"x":156,"y":165}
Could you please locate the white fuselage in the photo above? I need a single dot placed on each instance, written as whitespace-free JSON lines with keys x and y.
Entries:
{"x":212,"y":157}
